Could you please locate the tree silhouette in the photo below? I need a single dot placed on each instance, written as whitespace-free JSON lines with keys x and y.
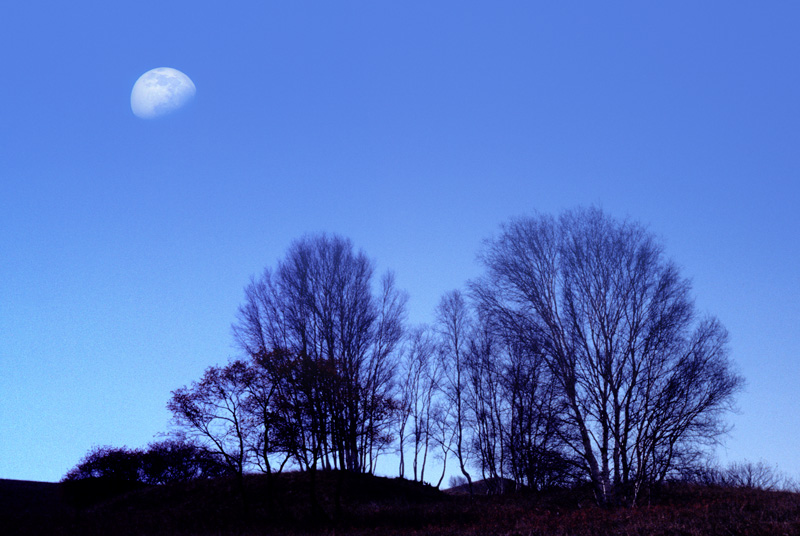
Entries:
{"x":642,"y":379}
{"x":215,"y":412}
{"x":319,"y":306}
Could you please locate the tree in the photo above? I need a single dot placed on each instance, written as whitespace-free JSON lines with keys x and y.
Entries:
{"x":162,"y":462}
{"x":536,"y":457}
{"x":318,"y":307}
{"x":421,"y":376}
{"x":111,"y":463}
{"x":269,"y":410}
{"x":643,"y":380}
{"x":486,"y":403}
{"x":108,"y":471}
{"x":215,"y":412}
{"x":743,"y":474}
{"x":175,"y":460}
{"x":454,"y":325}
{"x":102,"y":473}
{"x":513,"y":414}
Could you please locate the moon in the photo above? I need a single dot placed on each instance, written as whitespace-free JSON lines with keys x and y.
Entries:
{"x":160,"y":92}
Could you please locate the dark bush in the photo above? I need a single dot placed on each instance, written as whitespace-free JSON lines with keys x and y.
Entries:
{"x":110,"y":463}
{"x":178,"y":461}
{"x":106,"y":471}
{"x":103,"y":473}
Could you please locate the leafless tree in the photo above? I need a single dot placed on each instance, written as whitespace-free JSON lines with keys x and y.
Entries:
{"x":318,"y":305}
{"x":270,"y":410}
{"x":379,"y":387}
{"x":514,"y":415}
{"x":454,"y":325}
{"x":535,"y":454}
{"x":740,"y":474}
{"x":488,"y":407}
{"x":421,"y":376}
{"x":755,"y":475}
{"x":443,"y":434}
{"x":642,"y":380}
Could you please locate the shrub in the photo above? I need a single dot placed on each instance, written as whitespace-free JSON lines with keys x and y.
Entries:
{"x":162,"y":463}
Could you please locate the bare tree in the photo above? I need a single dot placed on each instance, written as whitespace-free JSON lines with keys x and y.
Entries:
{"x":379,"y":386}
{"x":319,"y":305}
{"x":740,"y":474}
{"x":270,"y":411}
{"x":755,"y":475}
{"x":421,"y":375}
{"x":643,"y":381}
{"x":514,"y":414}
{"x":487,"y":405}
{"x":443,"y":433}
{"x":536,"y":455}
{"x":454,"y":326}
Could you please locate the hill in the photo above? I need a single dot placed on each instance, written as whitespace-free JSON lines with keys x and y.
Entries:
{"x":29,"y":504}
{"x":341,"y":503}
{"x":486,"y":486}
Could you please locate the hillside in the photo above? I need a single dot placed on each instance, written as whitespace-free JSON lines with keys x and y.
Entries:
{"x":363,"y":504}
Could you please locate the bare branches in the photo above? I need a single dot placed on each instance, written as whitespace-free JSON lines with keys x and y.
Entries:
{"x":214,"y":412}
{"x":318,"y":305}
{"x":640,"y":380}
{"x":454,"y":325}
{"x":578,"y":355}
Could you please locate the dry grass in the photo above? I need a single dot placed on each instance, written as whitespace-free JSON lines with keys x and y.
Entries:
{"x":361,"y":504}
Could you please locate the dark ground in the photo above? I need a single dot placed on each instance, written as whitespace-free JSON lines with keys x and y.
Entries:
{"x":362,"y":504}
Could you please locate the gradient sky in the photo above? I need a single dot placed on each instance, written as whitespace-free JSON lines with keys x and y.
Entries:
{"x":414,"y":129}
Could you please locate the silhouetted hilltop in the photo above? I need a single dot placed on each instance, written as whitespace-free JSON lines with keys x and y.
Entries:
{"x":488,"y":486}
{"x":336,"y":502}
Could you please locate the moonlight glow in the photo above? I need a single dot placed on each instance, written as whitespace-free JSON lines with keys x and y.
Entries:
{"x":160,"y":92}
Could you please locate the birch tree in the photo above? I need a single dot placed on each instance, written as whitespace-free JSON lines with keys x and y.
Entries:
{"x":644,"y":380}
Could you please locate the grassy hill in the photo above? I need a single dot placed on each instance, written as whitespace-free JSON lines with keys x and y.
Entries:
{"x":339,"y":503}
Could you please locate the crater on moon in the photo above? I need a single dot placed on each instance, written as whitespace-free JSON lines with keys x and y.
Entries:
{"x":160,"y":91}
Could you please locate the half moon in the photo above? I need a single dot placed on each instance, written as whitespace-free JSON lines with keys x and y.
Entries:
{"x":160,"y":92}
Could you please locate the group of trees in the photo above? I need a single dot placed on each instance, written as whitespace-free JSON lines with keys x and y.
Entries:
{"x":315,"y":387}
{"x":634,"y":382}
{"x":578,"y":356}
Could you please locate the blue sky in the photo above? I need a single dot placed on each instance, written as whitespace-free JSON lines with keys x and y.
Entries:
{"x":414,"y":129}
